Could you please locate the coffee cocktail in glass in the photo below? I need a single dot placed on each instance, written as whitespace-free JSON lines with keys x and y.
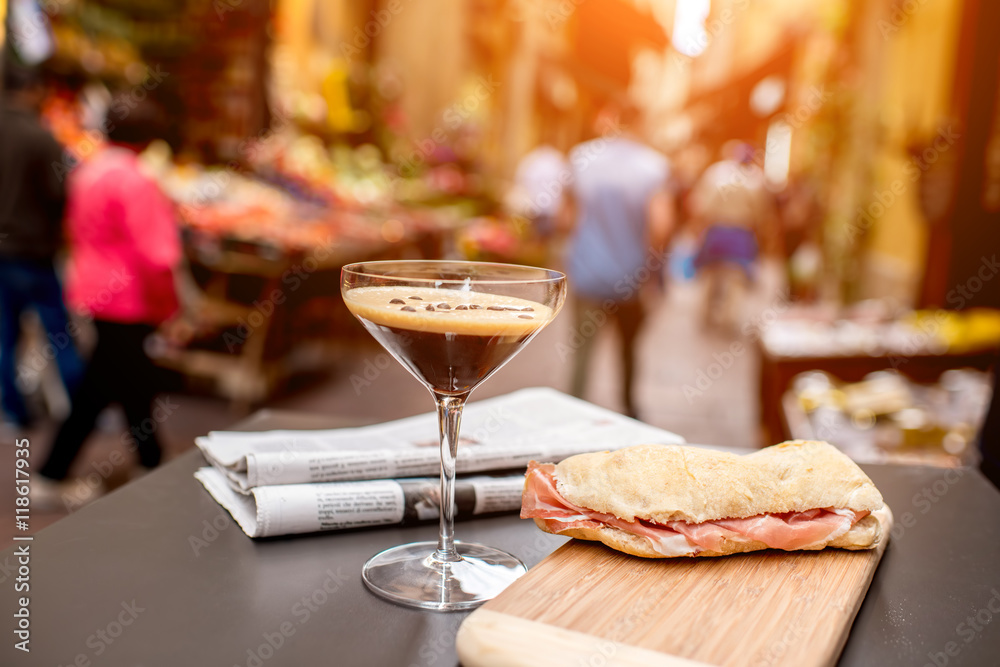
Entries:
{"x":452,"y":325}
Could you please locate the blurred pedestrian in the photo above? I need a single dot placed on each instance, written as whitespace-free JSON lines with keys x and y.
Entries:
{"x":124,"y":247}
{"x":989,"y":436}
{"x":539,"y":181}
{"x":731,"y":209}
{"x":32,"y":202}
{"x":623,"y":214}
{"x":801,"y":226}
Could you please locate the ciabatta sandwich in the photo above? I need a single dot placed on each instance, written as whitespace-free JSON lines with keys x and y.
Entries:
{"x":663,"y":501}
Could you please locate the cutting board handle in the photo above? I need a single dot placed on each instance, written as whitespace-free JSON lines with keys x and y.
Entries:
{"x":493,"y":639}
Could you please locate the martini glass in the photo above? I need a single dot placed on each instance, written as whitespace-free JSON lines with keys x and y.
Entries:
{"x":452,"y":325}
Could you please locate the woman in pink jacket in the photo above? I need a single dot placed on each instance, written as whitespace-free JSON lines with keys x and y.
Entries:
{"x":124,"y":246}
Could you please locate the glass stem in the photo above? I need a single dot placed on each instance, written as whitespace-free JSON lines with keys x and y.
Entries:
{"x":449,"y":410}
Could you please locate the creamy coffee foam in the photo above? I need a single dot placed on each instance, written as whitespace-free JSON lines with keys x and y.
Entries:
{"x":438,"y":310}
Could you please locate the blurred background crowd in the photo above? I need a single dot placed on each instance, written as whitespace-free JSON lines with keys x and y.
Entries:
{"x":778,"y":218}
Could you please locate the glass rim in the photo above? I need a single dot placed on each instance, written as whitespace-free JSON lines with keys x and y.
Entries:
{"x":551,"y":275}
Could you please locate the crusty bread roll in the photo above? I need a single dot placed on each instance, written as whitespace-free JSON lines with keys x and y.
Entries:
{"x":665,"y":483}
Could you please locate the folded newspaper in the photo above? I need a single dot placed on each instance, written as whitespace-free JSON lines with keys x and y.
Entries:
{"x":288,"y":509}
{"x":501,"y":433}
{"x":284,"y":482}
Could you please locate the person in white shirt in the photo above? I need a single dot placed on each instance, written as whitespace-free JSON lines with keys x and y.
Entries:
{"x":540,"y":181}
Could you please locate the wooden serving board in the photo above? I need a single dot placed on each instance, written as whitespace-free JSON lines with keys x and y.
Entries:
{"x":589,"y":606}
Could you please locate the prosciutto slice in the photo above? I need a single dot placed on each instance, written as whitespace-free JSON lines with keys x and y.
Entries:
{"x":789,"y":531}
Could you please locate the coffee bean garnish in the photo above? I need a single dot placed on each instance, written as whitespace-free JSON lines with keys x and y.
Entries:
{"x":528,"y":310}
{"x":444,"y":306}
{"x":409,"y":309}
{"x":495,"y":308}
{"x":474,"y":306}
{"x":463,"y":307}
{"x":415,"y":298}
{"x":397,"y":301}
{"x":526,"y":317}
{"x":429,"y":307}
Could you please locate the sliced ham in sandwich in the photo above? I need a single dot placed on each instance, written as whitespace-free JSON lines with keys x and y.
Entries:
{"x":662,"y":501}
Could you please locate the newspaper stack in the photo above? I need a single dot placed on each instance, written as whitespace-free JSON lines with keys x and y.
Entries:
{"x":284,"y":482}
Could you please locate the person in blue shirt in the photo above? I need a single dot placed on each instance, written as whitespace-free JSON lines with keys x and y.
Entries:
{"x":622,"y":211}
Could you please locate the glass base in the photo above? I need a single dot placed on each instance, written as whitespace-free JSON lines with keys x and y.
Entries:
{"x":413,"y":576}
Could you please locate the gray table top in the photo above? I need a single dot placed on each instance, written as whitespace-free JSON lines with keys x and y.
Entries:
{"x":157,"y":573}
